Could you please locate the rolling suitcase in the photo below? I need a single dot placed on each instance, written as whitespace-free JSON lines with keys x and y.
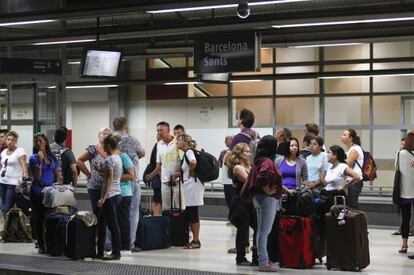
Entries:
{"x":347,"y":238}
{"x":179,"y":225}
{"x":295,"y":242}
{"x":55,"y":233}
{"x":80,"y":239}
{"x":153,"y":232}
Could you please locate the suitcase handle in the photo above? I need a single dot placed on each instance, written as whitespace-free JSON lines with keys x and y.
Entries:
{"x":343,"y":199}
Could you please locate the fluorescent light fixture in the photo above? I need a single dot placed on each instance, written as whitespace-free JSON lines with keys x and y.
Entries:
{"x":246,"y":80}
{"x":325,"y":45}
{"x":63,"y":42}
{"x":92,"y":86}
{"x":51,"y":87}
{"x":344,"y":22}
{"x":74,"y":62}
{"x":357,"y":76}
{"x":25,"y":23}
{"x":3,"y":90}
{"x":223,"y":6}
{"x":181,"y":83}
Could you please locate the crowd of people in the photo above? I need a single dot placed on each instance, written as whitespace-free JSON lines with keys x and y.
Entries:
{"x":259,"y":175}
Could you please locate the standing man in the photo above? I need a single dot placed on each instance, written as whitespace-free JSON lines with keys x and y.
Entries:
{"x":3,"y":133}
{"x":168,"y":163}
{"x":132,"y":147}
{"x":245,"y":121}
{"x":179,"y":130}
{"x":65,"y":157}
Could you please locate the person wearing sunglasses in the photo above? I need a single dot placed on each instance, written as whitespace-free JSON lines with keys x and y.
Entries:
{"x":13,"y":169}
{"x":45,"y":170}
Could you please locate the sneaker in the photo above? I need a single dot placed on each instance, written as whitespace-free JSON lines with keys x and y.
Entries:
{"x":111,"y":257}
{"x":268,"y":268}
{"x":275,"y":265}
{"x":135,"y":249}
{"x":126,"y":253}
{"x":244,"y":262}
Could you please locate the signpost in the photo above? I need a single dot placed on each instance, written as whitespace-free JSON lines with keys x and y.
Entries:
{"x":227,"y":52}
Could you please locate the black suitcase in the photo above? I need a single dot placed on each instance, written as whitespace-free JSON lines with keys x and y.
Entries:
{"x":319,"y":240}
{"x":346,"y":238}
{"x":153,"y":233}
{"x":180,"y":234}
{"x":80,"y":240}
{"x":55,"y":233}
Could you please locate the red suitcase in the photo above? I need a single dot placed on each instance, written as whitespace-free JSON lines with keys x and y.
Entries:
{"x":295,"y":242}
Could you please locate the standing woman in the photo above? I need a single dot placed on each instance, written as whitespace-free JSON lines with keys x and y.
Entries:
{"x":238,"y":169}
{"x":96,"y":176}
{"x":293,"y":168}
{"x":405,"y":158}
{"x":339,"y":177}
{"x":13,"y":169}
{"x":355,"y":160}
{"x":267,"y":190}
{"x":193,"y":188}
{"x":45,"y":170}
{"x":110,"y":199}
{"x":316,"y":163}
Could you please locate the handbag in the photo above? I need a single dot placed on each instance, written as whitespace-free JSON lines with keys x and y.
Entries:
{"x":58,"y":195}
{"x":239,"y":209}
{"x":396,"y":191}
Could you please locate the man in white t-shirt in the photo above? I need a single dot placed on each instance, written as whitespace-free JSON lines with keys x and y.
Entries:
{"x":168,"y":163}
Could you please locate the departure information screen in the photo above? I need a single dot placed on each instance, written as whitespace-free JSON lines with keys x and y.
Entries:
{"x":101,"y":63}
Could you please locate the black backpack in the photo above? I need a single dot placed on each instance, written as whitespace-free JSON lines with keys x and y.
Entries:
{"x":207,"y":168}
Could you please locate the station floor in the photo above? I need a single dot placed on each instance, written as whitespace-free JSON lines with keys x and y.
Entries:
{"x":216,"y":238}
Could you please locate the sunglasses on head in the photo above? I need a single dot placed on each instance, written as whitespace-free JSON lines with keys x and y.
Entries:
{"x":3,"y":173}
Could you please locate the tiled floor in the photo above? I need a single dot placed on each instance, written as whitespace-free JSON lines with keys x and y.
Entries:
{"x":216,"y":238}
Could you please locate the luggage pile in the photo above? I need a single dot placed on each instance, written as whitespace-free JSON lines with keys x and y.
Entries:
{"x":304,"y":235}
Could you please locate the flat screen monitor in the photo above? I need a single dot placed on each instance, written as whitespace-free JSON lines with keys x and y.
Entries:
{"x":214,"y":78}
{"x":101,"y":62}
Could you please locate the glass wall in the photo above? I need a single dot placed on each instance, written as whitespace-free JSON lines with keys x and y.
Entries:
{"x":335,"y":87}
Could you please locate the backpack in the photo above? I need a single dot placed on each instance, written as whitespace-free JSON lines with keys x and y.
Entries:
{"x":369,"y":168}
{"x":16,"y":227}
{"x":207,"y":168}
{"x":254,"y":141}
{"x":59,"y":153}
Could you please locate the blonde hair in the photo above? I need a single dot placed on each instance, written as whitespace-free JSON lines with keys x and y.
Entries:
{"x":187,"y":139}
{"x":235,"y":157}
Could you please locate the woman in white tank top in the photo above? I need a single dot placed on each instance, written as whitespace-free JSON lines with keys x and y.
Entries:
{"x":355,"y":160}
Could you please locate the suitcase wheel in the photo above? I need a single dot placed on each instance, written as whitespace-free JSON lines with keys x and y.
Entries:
{"x":328,"y":267}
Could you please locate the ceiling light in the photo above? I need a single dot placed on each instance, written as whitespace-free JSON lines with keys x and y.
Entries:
{"x":25,"y":23}
{"x":246,"y":80}
{"x":63,"y":42}
{"x":74,"y":62}
{"x":181,"y":83}
{"x":343,"y":22}
{"x":91,"y":86}
{"x":3,"y":90}
{"x":223,"y":6}
{"x":325,"y":45}
{"x":369,"y":75}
